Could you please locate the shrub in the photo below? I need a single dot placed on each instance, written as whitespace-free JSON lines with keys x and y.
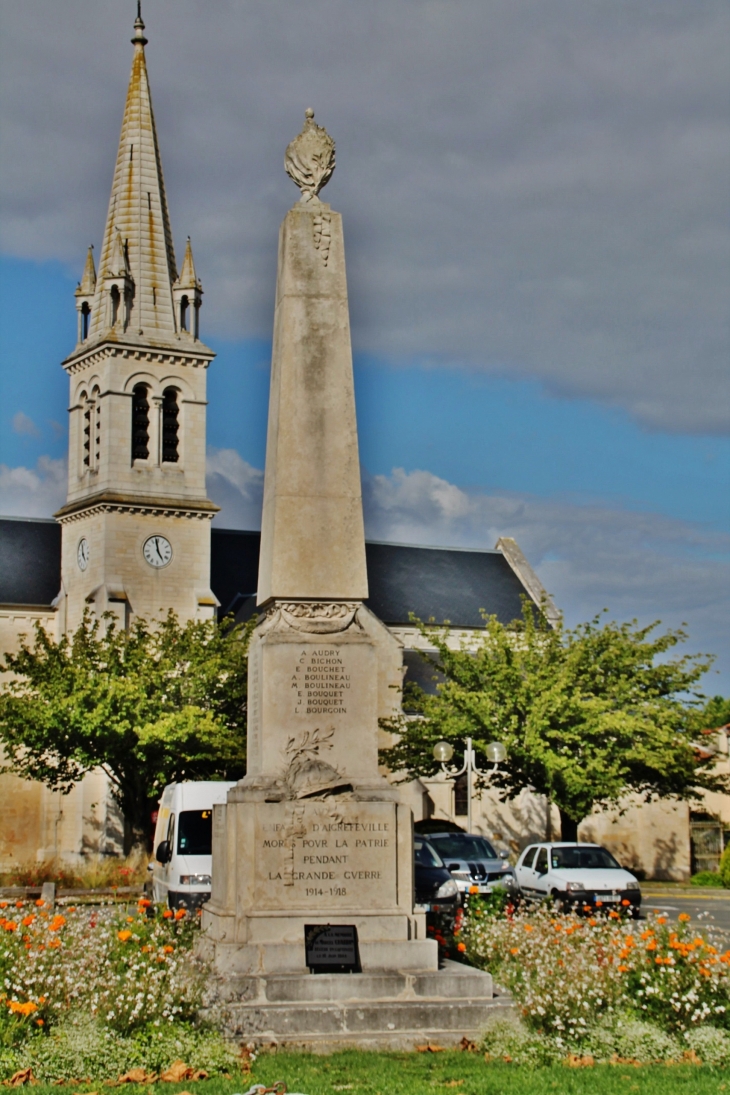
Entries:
{"x":506,"y":1039}
{"x":82,"y":1047}
{"x":724,"y":869}
{"x":706,"y":878}
{"x":563,"y":970}
{"x":125,"y":971}
{"x":711,"y":1045}
{"x":95,"y":871}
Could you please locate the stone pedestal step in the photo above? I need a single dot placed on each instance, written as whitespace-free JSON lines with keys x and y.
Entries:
{"x":378,"y":1009}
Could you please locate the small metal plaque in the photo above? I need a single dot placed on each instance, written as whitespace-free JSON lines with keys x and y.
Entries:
{"x":332,"y":948}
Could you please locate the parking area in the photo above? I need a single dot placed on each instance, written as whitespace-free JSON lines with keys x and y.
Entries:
{"x":706,"y":906}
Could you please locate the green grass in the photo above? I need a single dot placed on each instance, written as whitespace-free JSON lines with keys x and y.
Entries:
{"x":359,"y":1073}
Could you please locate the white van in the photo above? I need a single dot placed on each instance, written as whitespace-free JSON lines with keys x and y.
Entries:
{"x":183,"y":861}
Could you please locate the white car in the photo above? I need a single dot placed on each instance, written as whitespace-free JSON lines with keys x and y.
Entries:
{"x":577,"y":874}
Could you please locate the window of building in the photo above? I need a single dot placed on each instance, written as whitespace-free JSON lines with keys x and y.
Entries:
{"x":140,"y":423}
{"x":85,"y":320}
{"x":184,"y":305}
{"x":461,"y":795}
{"x":86,"y":434}
{"x":96,"y":417}
{"x":170,"y":426}
{"x":115,"y":299}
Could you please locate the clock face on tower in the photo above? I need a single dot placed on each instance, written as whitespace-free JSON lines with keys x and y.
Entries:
{"x":82,"y":554}
{"x":157,"y":551}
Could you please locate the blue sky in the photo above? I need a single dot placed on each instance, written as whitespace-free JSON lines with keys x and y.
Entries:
{"x":481,"y":431}
{"x":535,"y":208}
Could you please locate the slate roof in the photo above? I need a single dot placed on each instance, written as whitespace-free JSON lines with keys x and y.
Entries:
{"x":30,"y":561}
{"x":439,"y":583}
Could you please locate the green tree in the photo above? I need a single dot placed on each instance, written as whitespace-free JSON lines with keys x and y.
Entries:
{"x":587,"y":715}
{"x":714,"y":714}
{"x":148,"y":705}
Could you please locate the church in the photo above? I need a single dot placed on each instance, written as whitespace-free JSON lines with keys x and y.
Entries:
{"x":135,"y":538}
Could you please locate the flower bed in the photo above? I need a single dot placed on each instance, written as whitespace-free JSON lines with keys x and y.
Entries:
{"x":567,"y":971}
{"x":118,"y":981}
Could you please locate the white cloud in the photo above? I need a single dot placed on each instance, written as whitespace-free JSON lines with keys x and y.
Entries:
{"x":33,"y":492}
{"x":588,"y":556}
{"x":528,"y":187}
{"x":24,"y":425}
{"x":236,"y":487}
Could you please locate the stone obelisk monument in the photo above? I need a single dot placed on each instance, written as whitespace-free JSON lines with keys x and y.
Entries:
{"x":314,"y":834}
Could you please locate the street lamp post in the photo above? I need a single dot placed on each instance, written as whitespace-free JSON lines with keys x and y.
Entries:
{"x":443,"y":751}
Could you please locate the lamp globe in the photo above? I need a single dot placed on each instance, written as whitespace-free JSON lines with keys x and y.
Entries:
{"x":496,"y":752}
{"x":443,"y":752}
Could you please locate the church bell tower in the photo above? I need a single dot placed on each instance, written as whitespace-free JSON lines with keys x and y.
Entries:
{"x":136,"y":524}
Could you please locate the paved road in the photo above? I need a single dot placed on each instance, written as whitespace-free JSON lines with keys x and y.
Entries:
{"x":705,"y":906}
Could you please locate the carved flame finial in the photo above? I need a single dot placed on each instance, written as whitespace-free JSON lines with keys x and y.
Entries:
{"x":310,"y":158}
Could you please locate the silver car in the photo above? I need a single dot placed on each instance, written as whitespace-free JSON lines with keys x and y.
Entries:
{"x":472,"y":861}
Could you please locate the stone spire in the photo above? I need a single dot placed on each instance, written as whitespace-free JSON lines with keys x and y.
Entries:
{"x":138,"y":220}
{"x":312,"y":534}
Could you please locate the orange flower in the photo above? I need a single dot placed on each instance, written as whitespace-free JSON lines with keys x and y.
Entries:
{"x":40,"y":1022}
{"x":181,"y":914}
{"x":647,"y":934}
{"x":515,"y":950}
{"x":124,"y":936}
{"x":684,"y":916}
{"x":167,"y":914}
{"x":661,"y":920}
{"x":56,"y":923}
{"x":461,"y":947}
{"x":528,"y":927}
{"x":130,"y":920}
{"x":27,"y":920}
{"x":22,"y":1009}
{"x":625,"y":902}
{"x":623,"y":969}
{"x":10,"y":925}
{"x":614,"y":915}
{"x":19,"y":904}
{"x":168,"y":949}
{"x":592,"y":921}
{"x":3,"y":904}
{"x":40,"y":903}
{"x":599,"y":904}
{"x":651,"y":945}
{"x":473,"y":889}
{"x":143,"y":903}
{"x":54,"y":943}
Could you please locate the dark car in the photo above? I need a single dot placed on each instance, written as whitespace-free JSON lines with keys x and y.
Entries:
{"x":436,"y":891}
{"x":473,"y":862}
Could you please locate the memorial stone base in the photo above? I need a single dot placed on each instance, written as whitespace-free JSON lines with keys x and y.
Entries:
{"x":315,"y":835}
{"x":379,"y":1009}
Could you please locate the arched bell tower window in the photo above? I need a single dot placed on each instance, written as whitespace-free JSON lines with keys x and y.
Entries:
{"x":115,"y":301}
{"x":85,"y":320}
{"x":184,"y":309}
{"x":96,"y":417}
{"x":86,"y":434}
{"x":170,"y":426}
{"x":140,"y":422}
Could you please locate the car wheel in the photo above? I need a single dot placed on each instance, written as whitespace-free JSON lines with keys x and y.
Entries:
{"x":559,"y":904}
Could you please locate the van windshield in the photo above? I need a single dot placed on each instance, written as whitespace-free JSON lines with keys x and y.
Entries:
{"x":195,"y":832}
